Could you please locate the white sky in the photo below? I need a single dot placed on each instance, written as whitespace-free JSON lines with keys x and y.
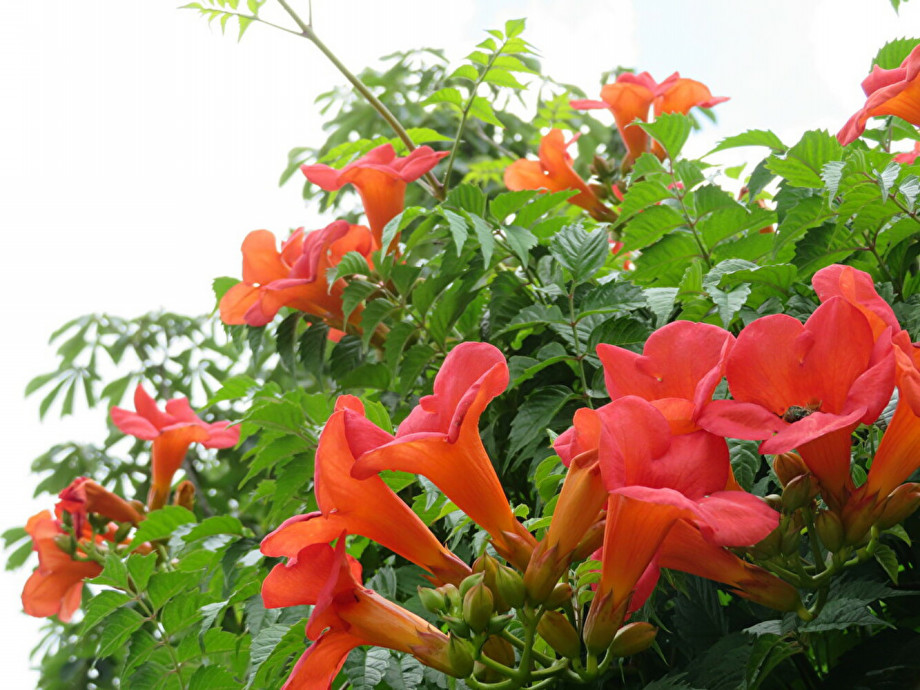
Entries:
{"x":138,"y":146}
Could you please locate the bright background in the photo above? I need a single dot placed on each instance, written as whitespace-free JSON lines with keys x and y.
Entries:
{"x":138,"y":146}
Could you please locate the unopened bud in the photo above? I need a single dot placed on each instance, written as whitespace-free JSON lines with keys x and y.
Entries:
{"x":499,"y":623}
{"x":830,"y":530}
{"x":510,"y":585}
{"x":560,"y":595}
{"x":457,"y":627}
{"x":600,"y":166}
{"x":460,"y":656}
{"x":770,"y":545}
{"x":500,"y":650}
{"x":799,"y":492}
{"x":633,"y":638}
{"x":775,"y":501}
{"x":791,"y":537}
{"x":122,"y":532}
{"x":478,"y":605}
{"x":433,"y":600}
{"x":185,"y":495}
{"x":452,"y":597}
{"x":469,"y":582}
{"x":559,"y":634}
{"x":788,"y":466}
{"x":600,"y":191}
{"x":602,"y":623}
{"x":541,"y":574}
{"x":489,"y":567}
{"x":900,"y":504}
{"x":66,"y":544}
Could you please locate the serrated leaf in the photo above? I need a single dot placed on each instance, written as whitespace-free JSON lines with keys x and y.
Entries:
{"x":213,"y":678}
{"x":801,"y":166}
{"x":117,"y":629}
{"x":831,"y":173}
{"x":114,"y":573}
{"x":458,"y":228}
{"x":353,"y":263}
{"x":670,"y":130}
{"x":140,"y":568}
{"x":101,"y":606}
{"x":745,"y":462}
{"x":646,"y":228}
{"x":507,"y":203}
{"x":581,"y":252}
{"x":661,"y":302}
{"x":217,"y":524}
{"x":752,"y":137}
{"x":467,"y":72}
{"x":467,"y":197}
{"x":366,"y":668}
{"x":446,"y":95}
{"x":285,"y":335}
{"x":160,"y":524}
{"x":892,"y":54}
{"x":481,"y":108}
{"x":840,"y":614}
{"x":353,"y":294}
{"x":535,"y":414}
{"x":501,"y":77}
{"x":521,"y":241}
{"x":886,"y":557}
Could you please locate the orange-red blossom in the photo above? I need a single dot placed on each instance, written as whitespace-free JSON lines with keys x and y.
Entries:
{"x":554,"y":173}
{"x":631,"y":97}
{"x":380,"y":177}
{"x":172,"y":432}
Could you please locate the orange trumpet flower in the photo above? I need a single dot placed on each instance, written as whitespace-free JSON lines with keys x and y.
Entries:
{"x":172,"y":432}
{"x":440,"y":440}
{"x":367,"y":507}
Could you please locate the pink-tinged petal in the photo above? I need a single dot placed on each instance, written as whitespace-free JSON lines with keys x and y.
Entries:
{"x":322,"y":176}
{"x":805,"y":430}
{"x":736,"y":518}
{"x":587,"y":104}
{"x":471,"y":376}
{"x":181,"y":411}
{"x":147,"y":407}
{"x":419,"y":162}
{"x":898,"y":454}
{"x":583,"y":436}
{"x":676,"y":362}
{"x":734,"y":419}
{"x":647,"y":582}
{"x":133,"y":424}
{"x":633,"y":435}
{"x":685,"y":94}
{"x":695,"y":464}
{"x":321,"y":663}
{"x":300,"y":581}
{"x":857,"y":288}
{"x":221,"y":435}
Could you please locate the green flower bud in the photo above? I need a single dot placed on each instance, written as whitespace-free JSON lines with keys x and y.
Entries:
{"x":452,"y":597}
{"x":799,"y":492}
{"x":478,"y":605}
{"x":469,"y":582}
{"x":433,"y":600}
{"x":830,"y":530}
{"x":460,"y":656}
{"x":561,"y":594}
{"x":633,"y":638}
{"x":559,"y":634}
{"x":510,"y":586}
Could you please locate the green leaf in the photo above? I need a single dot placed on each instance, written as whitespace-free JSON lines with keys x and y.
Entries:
{"x":458,"y":228}
{"x":114,"y":573}
{"x":217,"y":524}
{"x":164,"y":586}
{"x":507,"y":203}
{"x":213,"y":678}
{"x":446,"y":95}
{"x":623,"y":332}
{"x":501,"y":77}
{"x":140,"y":568}
{"x":399,"y":222}
{"x":160,"y":524}
{"x":101,"y":606}
{"x":649,"y":226}
{"x":481,"y":108}
{"x":351,"y":264}
{"x":752,"y":137}
{"x":539,"y":206}
{"x":521,"y":241}
{"x":892,"y":54}
{"x":515,"y":27}
{"x":535,"y":414}
{"x":802,"y":164}
{"x":843,"y":613}
{"x":670,"y":130}
{"x":353,"y":294}
{"x":641,"y":195}
{"x":467,"y":72}
{"x":745,"y":462}
{"x":887,"y":177}
{"x":661,"y":302}
{"x":117,"y":629}
{"x":580,"y":252}
{"x":467,"y":197}
{"x":886,"y":557}
{"x":375,"y":312}
{"x":485,"y":237}
{"x":366,"y":667}
{"x":831,"y":173}
{"x":285,"y":335}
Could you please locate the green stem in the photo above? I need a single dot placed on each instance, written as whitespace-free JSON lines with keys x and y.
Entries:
{"x":578,"y":353}
{"x":678,"y":193}
{"x":306,"y":30}
{"x":465,"y":114}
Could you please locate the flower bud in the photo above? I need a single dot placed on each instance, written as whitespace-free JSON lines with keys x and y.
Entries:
{"x":633,"y":638}
{"x":602,"y":623}
{"x":900,"y":504}
{"x":66,"y":544}
{"x":460,"y":657}
{"x":560,"y":595}
{"x":600,"y":166}
{"x":770,"y":545}
{"x":478,"y":605}
{"x":433,"y":600}
{"x":499,"y":623}
{"x":452,"y":597}
{"x":830,"y":530}
{"x":185,"y":495}
{"x":541,"y":574}
{"x":791,"y":537}
{"x":469,"y":582}
{"x":775,"y":501}
{"x":788,"y":466}
{"x":510,"y":586}
{"x":490,"y":568}
{"x":559,"y":634}
{"x":799,"y":492}
{"x":457,"y":627}
{"x":122,"y":532}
